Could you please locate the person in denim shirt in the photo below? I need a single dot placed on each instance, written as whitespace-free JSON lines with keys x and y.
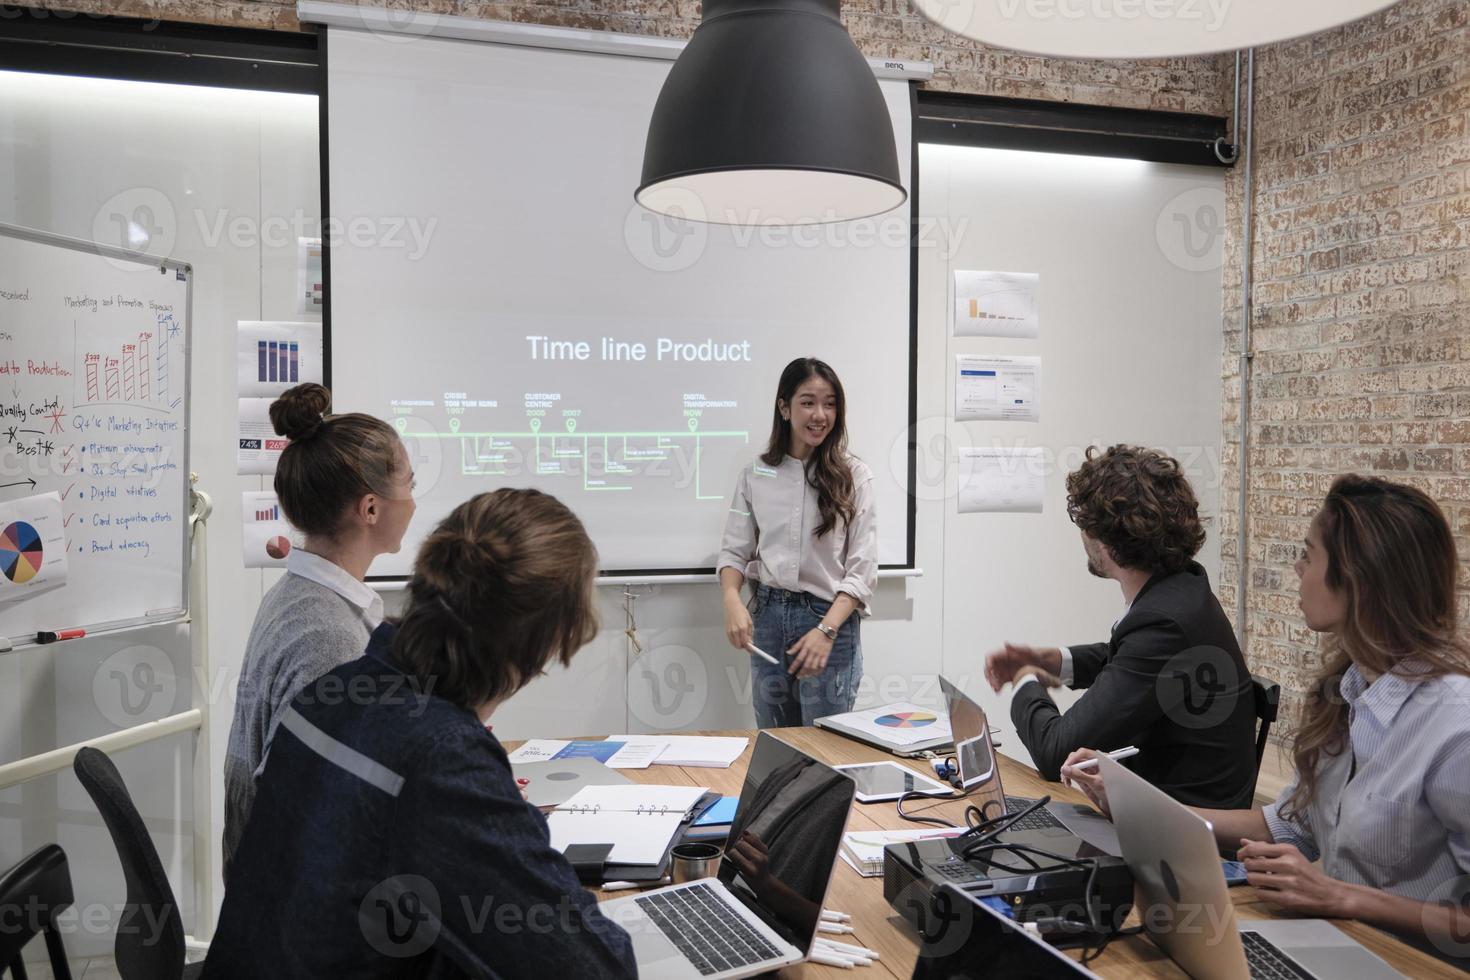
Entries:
{"x":388,"y":838}
{"x":802,"y":530}
{"x":1382,"y":752}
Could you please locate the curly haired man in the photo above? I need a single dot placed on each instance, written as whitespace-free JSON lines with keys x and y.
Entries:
{"x":1171,"y":678}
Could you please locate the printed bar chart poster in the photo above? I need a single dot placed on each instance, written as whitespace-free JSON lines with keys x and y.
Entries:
{"x":267,"y":537}
{"x":996,"y":304}
{"x":32,"y":547}
{"x":272,"y":356}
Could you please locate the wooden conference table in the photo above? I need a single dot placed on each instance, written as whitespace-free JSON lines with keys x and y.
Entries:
{"x":877,"y":926}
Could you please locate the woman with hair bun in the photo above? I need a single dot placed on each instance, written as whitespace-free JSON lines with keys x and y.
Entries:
{"x":345,"y":482}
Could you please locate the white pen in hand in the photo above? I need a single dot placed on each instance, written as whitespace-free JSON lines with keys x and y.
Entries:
{"x":762,"y":654}
{"x":1122,"y":753}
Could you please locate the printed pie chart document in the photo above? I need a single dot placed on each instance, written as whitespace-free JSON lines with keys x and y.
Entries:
{"x":32,"y":547}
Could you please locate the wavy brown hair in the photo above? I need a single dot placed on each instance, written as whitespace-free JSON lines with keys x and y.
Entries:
{"x":500,"y":589}
{"x":827,"y":468}
{"x":1139,"y":505}
{"x":1390,"y":554}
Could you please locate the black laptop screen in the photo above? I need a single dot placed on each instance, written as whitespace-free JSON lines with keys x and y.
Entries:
{"x":784,"y":838}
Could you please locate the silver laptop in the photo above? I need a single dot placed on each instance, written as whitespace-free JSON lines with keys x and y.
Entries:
{"x":1185,"y":904}
{"x":761,"y":911}
{"x":554,"y":782}
{"x":979,"y":774}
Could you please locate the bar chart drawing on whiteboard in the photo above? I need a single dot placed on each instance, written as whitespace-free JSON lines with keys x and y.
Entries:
{"x":136,"y":372}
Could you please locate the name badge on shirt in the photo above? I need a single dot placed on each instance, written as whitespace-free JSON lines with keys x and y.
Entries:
{"x":760,"y":470}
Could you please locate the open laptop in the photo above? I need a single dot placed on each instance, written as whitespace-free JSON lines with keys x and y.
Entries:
{"x":1172,"y":855}
{"x":980,"y":774}
{"x":753,"y":916}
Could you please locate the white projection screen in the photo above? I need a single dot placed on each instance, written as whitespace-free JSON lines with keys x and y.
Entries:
{"x":481,"y":196}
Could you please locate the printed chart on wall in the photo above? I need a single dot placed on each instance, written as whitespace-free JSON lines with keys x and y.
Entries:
{"x":93,"y":435}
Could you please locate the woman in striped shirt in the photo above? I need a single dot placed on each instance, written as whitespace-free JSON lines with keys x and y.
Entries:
{"x":1382,"y":752}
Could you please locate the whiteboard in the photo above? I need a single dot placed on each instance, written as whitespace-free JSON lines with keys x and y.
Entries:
{"x":94,"y":407}
{"x":498,"y":295}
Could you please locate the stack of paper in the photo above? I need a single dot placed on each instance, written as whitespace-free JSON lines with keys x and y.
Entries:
{"x":703,"y":751}
{"x":864,"y":850}
{"x":615,"y":754}
{"x":638,"y":821}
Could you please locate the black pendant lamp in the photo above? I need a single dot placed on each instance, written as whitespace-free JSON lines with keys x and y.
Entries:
{"x":770,"y":115}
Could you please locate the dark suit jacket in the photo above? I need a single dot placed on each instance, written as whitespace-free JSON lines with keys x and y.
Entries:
{"x":1171,"y":681}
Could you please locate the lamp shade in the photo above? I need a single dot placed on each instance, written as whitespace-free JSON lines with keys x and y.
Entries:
{"x":770,"y":115}
{"x":1140,"y":28}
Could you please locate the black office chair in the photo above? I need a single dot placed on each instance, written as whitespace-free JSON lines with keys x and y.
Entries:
{"x":150,"y":934}
{"x":1268,"y":702}
{"x":32,"y":895}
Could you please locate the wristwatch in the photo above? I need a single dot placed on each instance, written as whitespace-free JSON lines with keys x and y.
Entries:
{"x":827,"y":631}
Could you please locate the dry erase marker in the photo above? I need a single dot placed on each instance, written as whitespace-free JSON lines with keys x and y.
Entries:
{"x":1115,"y":756}
{"x":51,"y":636}
{"x":762,"y":654}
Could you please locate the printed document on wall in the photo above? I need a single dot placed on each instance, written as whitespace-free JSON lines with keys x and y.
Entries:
{"x":259,"y":445}
{"x":267,"y":537}
{"x":1001,"y":480}
{"x":32,"y":546}
{"x":997,"y":389}
{"x":996,"y":304}
{"x":273,"y":355}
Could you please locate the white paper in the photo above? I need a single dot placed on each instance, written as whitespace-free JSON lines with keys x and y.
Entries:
{"x":702,"y":751}
{"x":32,"y":547}
{"x":1001,"y":481}
{"x":308,"y":275}
{"x":537,"y":750}
{"x":259,"y":446}
{"x":267,"y":537}
{"x":996,"y":304}
{"x":995,"y":388}
{"x":900,"y":723}
{"x":274,"y":355}
{"x":637,"y":838}
{"x":639,"y":755}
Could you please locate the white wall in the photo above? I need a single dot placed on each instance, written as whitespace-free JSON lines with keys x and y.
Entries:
{"x":1130,"y":351}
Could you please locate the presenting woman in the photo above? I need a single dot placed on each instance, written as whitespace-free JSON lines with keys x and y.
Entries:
{"x":803,"y":532}
{"x":1382,"y":752}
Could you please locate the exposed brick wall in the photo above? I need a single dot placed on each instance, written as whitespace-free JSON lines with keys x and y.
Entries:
{"x":1361,"y":250}
{"x":881,"y":28}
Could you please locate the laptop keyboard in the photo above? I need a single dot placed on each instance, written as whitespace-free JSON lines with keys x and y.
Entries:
{"x":1036,"y":820}
{"x":710,"y":934}
{"x":1269,"y":963}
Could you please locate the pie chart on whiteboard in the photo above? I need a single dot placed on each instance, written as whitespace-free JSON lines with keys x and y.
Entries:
{"x":20,"y":552}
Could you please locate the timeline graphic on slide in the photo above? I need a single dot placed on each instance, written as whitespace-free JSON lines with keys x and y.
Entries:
{"x":553,"y":443}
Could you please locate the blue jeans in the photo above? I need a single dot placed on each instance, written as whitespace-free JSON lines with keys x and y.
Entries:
{"x":783,"y":700}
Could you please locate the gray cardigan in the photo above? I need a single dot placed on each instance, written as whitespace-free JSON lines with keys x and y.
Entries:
{"x":303,"y":630}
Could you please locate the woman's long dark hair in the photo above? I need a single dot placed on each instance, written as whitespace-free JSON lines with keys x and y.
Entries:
{"x":827,"y":468}
{"x":1391,"y":555}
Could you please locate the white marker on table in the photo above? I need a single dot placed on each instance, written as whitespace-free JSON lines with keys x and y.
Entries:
{"x":830,"y":959}
{"x":762,"y":654}
{"x":1122,"y":753}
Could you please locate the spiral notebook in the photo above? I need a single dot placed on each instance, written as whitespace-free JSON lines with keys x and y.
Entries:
{"x":638,"y":821}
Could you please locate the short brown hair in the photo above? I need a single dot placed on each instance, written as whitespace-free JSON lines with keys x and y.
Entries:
{"x":501,"y":588}
{"x":331,"y":462}
{"x":1139,"y":505}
